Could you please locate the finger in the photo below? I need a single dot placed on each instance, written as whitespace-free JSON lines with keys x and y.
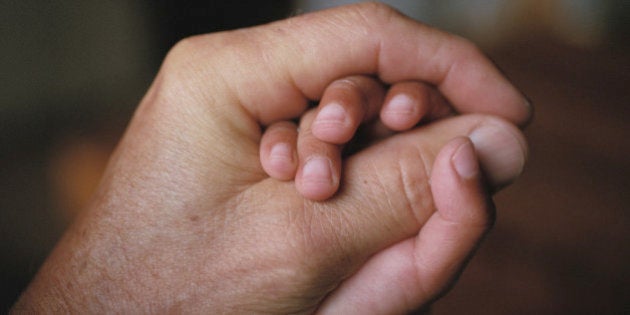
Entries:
{"x":407,"y":103}
{"x":278,"y":154}
{"x":386,"y":197}
{"x":319,"y":167}
{"x":346,"y":103}
{"x":412,"y":273}
{"x":368,"y":38}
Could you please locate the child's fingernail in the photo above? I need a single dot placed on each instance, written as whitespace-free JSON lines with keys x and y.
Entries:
{"x":331,"y":114}
{"x":281,"y":154}
{"x":401,"y":104}
{"x":317,"y":170}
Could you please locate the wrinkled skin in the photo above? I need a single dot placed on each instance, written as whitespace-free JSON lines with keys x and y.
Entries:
{"x":186,"y":220}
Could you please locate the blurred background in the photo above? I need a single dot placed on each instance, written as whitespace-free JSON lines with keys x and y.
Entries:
{"x":72,"y":72}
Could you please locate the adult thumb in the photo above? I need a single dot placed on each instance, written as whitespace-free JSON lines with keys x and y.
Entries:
{"x":386,"y":193}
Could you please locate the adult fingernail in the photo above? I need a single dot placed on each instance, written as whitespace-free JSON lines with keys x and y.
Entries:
{"x":317,"y":170}
{"x":501,"y":152}
{"x":465,"y":161}
{"x":528,"y":102}
{"x":331,"y":114}
{"x":530,"y":112}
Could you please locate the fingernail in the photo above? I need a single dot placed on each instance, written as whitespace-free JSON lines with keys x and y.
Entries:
{"x":528,"y":102}
{"x":317,"y":170}
{"x":332,"y":113}
{"x":501,"y":153}
{"x":465,"y":161}
{"x":281,"y":153}
{"x":530,"y":111}
{"x":401,"y":104}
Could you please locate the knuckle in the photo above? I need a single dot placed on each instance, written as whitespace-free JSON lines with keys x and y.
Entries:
{"x":178,"y":68}
{"x":190,"y":57}
{"x":174,"y":80}
{"x":467,"y":48}
{"x":200,"y":54}
{"x":402,"y":185}
{"x":186,"y":68}
{"x":364,"y":15}
{"x":414,"y":171}
{"x":182,"y":52}
{"x":373,"y":10}
{"x":349,"y":90}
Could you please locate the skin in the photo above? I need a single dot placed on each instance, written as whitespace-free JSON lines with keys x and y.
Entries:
{"x":187,"y":220}
{"x":354,"y":101}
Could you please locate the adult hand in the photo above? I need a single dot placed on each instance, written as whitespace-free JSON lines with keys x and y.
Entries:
{"x":313,"y":156}
{"x":186,"y":219}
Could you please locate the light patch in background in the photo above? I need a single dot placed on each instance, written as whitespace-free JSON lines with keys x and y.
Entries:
{"x":492,"y":23}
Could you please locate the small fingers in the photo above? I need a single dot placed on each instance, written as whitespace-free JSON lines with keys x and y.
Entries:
{"x":347,"y":103}
{"x":319,"y":163}
{"x":278,"y":154}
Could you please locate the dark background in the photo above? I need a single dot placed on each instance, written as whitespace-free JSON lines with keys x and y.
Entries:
{"x":73,"y":71}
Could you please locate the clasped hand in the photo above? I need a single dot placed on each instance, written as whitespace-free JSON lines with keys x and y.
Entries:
{"x":198,"y":212}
